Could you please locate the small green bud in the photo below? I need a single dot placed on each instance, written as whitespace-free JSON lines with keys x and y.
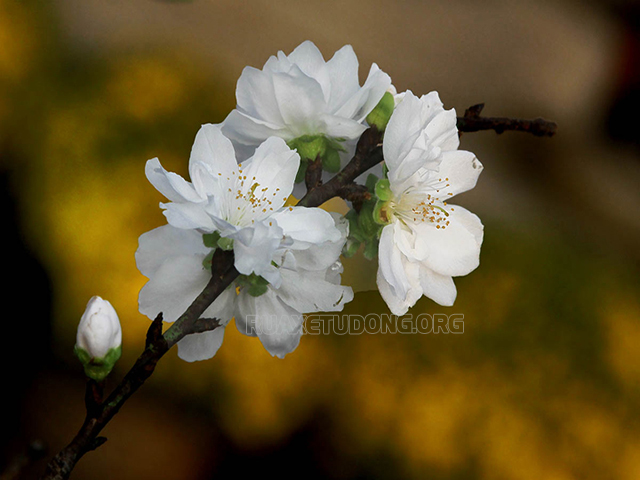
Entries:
{"x":383,"y":190}
{"x":381,"y":113}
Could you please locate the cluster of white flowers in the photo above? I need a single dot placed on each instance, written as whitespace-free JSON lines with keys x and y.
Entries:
{"x":243,"y":171}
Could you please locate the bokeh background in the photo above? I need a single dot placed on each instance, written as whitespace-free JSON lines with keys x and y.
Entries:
{"x":545,"y":380}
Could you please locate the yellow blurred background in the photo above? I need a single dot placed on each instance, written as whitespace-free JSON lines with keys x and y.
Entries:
{"x":545,"y":380}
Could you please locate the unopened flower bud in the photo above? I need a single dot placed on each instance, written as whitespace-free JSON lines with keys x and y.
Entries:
{"x":99,"y":339}
{"x":381,"y":114}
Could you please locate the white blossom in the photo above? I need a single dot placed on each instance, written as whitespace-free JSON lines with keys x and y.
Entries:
{"x":426,"y":241}
{"x":173,"y":261}
{"x":302,"y":95}
{"x":244,"y":203}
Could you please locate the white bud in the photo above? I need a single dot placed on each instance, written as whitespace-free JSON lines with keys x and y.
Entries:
{"x":99,"y":338}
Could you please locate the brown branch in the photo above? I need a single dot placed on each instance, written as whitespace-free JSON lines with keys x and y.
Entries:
{"x":473,"y":122}
{"x":356,"y":194}
{"x":313,"y":175}
{"x":368,"y":154}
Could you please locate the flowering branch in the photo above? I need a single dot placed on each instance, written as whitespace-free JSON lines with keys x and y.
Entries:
{"x":231,"y":220}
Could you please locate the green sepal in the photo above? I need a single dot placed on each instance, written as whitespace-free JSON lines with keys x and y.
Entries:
{"x":371,"y":249}
{"x":257,"y":290}
{"x":351,"y":247}
{"x":363,"y":229}
{"x":383,"y":190}
{"x":371,"y":183}
{"x":381,"y":113}
{"x":380,"y":214}
{"x":331,"y":160}
{"x":225,"y":243}
{"x":302,"y":170}
{"x":385,"y":170}
{"x":367,"y":223}
{"x":210,"y":240}
{"x":309,"y":146}
{"x":255,"y":285}
{"x":355,"y":231}
{"x":98,"y":368}
{"x":207,"y":261}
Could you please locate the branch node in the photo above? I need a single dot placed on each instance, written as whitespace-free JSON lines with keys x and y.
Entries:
{"x":356,"y":194}
{"x":205,"y":324}
{"x":474,"y":111}
{"x":154,"y":334}
{"x":96,"y":442}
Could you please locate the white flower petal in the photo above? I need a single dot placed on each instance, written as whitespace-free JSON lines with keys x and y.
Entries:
{"x":307,"y":226}
{"x":200,"y":346}
{"x":247,"y":130}
{"x":454,"y":250}
{"x":270,"y":174}
{"x":173,"y":286}
{"x":390,"y":262}
{"x":439,"y":288}
{"x":343,"y":72}
{"x":308,"y":292}
{"x":188,"y":215}
{"x":442,"y":130}
{"x":309,"y":59}
{"x":325,"y":255}
{"x":254,"y":248}
{"x":398,"y":304}
{"x":278,"y":326}
{"x":462,"y":170}
{"x":300,"y":100}
{"x":159,"y":244}
{"x":256,"y":96}
{"x":341,"y":127}
{"x":212,"y":148}
{"x":169,"y":184}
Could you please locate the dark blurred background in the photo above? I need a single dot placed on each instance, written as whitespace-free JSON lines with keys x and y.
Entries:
{"x":545,"y":380}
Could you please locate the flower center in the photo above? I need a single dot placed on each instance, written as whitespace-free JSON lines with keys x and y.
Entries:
{"x":420,"y":206}
{"x":249,"y":200}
